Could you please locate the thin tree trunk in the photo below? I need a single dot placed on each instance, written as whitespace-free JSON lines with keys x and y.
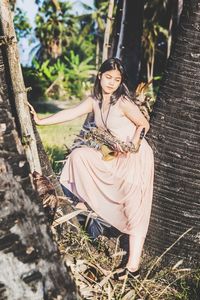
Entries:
{"x":120,"y":45}
{"x":97,"y":53}
{"x":175,"y":136}
{"x":179,"y":10}
{"x":106,"y":44}
{"x":116,"y":29}
{"x":169,"y":40}
{"x":30,"y":265}
{"x":131,"y":54}
{"x":173,"y":15}
{"x":18,"y":88}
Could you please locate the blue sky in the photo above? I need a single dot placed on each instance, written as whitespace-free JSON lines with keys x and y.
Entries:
{"x":30,"y":8}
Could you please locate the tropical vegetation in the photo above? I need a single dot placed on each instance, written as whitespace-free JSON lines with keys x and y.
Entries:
{"x":69,"y":46}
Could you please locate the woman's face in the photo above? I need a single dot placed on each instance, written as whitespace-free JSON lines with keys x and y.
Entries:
{"x":110,"y":81}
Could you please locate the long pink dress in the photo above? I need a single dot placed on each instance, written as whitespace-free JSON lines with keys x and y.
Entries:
{"x":119,"y":190}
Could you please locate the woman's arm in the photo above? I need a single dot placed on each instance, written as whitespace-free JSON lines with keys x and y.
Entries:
{"x":65,"y":115}
{"x":133,"y":113}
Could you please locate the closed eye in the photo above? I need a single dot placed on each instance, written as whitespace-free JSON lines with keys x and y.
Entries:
{"x":116,"y":79}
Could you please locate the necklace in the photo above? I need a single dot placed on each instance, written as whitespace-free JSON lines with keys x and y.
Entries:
{"x":106,"y":118}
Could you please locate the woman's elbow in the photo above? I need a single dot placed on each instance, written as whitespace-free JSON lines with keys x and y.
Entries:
{"x":146,"y":126}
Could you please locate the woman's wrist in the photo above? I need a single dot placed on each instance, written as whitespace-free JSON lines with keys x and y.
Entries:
{"x":136,"y":144}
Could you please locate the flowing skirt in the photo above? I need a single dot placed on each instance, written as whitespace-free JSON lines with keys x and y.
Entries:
{"x":119,"y":191}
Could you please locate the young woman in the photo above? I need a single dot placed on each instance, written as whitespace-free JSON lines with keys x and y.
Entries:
{"x":118,"y":190}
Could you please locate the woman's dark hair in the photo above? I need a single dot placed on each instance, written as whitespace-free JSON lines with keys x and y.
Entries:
{"x":108,"y":65}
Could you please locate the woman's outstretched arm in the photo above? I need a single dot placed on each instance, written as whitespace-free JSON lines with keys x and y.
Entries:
{"x":65,"y":115}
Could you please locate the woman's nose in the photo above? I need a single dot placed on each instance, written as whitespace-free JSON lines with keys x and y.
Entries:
{"x":112,"y":82}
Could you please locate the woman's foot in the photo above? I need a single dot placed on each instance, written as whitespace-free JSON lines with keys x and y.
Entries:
{"x":131,"y":274}
{"x":85,"y":208}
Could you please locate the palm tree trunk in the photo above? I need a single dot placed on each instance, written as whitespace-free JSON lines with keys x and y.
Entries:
{"x":120,"y":45}
{"x":131,"y":55}
{"x":36,"y":156}
{"x":175,"y":137}
{"x":30,"y":265}
{"x":19,"y":90}
{"x":106,"y":44}
{"x":97,"y":59}
{"x":173,"y":15}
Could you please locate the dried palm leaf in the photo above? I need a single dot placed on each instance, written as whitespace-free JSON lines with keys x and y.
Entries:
{"x":47,"y":194}
{"x":143,"y":98}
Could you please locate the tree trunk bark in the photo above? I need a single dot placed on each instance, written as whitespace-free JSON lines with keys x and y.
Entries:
{"x":106,"y":44}
{"x":30,"y":265}
{"x":36,"y":156}
{"x":19,"y":91}
{"x":173,"y":16}
{"x":120,"y":45}
{"x":174,"y":133}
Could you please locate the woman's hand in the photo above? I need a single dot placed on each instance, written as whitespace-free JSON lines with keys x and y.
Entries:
{"x":118,"y":148}
{"x":120,"y":152}
{"x":33,"y":112}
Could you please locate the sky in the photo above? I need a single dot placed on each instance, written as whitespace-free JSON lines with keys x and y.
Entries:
{"x":30,"y":8}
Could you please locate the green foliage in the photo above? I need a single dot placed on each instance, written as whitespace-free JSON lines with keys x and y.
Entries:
{"x":150,"y":36}
{"x":83,"y":44}
{"x":96,"y":15}
{"x":56,"y":155}
{"x":57,"y":138}
{"x":65,"y":56}
{"x":36,"y":81}
{"x":188,"y":287}
{"x":92,"y":23}
{"x":55,"y":26}
{"x":68,"y":78}
{"x":21,"y":24}
{"x":155,"y":33}
{"x":78,"y":74}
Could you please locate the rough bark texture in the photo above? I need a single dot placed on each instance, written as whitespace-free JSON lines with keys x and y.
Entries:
{"x":46,"y":165}
{"x":48,"y":172}
{"x":30,"y":265}
{"x":37,"y":158}
{"x":175,"y":128}
{"x":17,"y":86}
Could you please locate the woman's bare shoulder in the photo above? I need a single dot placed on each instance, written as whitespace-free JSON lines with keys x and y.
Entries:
{"x":127,"y":103}
{"x":91,"y":98}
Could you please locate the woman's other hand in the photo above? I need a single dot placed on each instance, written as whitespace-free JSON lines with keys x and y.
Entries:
{"x":120,"y":152}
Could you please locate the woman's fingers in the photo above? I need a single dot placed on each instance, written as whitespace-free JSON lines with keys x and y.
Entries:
{"x":119,"y":148}
{"x":32,"y":110}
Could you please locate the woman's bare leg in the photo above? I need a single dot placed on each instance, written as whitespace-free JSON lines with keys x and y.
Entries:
{"x":81,"y":205}
{"x":135,"y":251}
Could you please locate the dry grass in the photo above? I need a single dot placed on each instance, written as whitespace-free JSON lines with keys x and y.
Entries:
{"x":93,"y":265}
